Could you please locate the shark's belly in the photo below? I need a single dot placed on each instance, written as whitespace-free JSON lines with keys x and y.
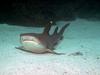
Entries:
{"x":33,"y":47}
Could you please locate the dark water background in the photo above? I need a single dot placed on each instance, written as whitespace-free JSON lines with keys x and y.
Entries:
{"x":38,"y":13}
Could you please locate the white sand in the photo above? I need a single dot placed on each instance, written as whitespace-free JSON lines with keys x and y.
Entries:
{"x":81,"y":35}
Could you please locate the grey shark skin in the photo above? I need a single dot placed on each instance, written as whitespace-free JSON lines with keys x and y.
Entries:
{"x":42,"y":42}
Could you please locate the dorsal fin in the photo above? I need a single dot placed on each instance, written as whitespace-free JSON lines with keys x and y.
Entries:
{"x":47,"y":28}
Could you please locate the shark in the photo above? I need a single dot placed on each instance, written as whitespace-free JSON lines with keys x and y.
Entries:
{"x":44,"y":42}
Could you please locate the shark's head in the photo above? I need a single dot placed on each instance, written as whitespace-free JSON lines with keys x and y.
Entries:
{"x":32,"y":42}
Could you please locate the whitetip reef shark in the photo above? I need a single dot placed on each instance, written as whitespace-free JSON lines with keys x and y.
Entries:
{"x":40,"y":43}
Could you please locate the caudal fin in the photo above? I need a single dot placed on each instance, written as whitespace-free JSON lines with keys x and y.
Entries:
{"x":63,"y":29}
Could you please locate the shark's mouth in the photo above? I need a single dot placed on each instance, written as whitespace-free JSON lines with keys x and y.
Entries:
{"x":29,"y":38}
{"x":31,"y":42}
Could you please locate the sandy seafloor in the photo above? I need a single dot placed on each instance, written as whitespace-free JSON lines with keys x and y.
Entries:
{"x":81,"y":36}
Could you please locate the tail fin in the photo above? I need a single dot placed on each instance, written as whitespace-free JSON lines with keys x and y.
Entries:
{"x":55,"y":32}
{"x":63,"y":29}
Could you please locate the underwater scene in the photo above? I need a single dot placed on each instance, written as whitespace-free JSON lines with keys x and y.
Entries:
{"x":50,"y":41}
